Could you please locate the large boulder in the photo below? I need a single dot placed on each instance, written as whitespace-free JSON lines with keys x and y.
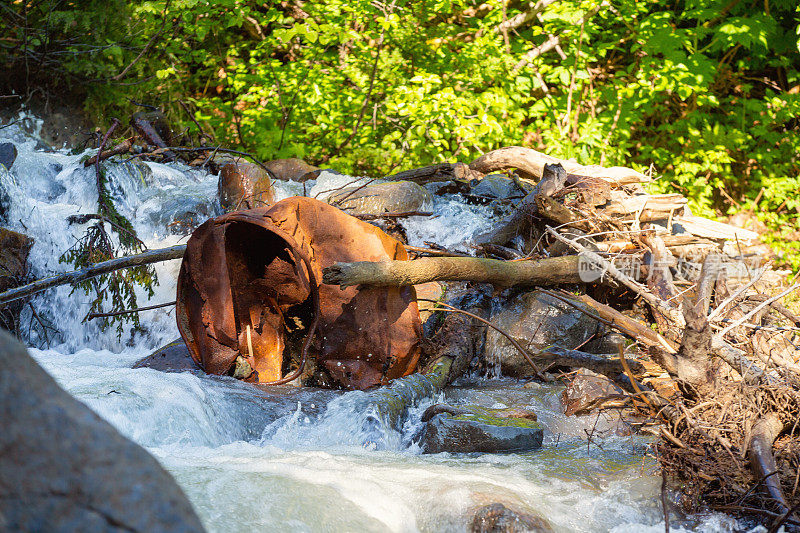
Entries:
{"x":378,"y":198}
{"x":14,"y":249}
{"x":537,"y":320}
{"x":63,"y":468}
{"x":245,"y":186}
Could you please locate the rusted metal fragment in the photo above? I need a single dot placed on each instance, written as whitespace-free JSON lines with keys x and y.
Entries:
{"x":261,"y":269}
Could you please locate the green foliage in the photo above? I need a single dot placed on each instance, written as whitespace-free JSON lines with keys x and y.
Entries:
{"x":704,"y":92}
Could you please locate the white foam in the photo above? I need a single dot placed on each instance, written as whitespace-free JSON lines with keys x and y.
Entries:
{"x":297,"y":472}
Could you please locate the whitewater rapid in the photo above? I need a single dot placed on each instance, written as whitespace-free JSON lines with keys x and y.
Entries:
{"x":309,"y":467}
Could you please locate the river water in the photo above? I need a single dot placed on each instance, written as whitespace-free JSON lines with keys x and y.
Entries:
{"x":305,"y":465}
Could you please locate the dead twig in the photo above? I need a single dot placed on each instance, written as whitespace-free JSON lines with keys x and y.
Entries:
{"x":92,"y":316}
{"x":669,"y":311}
{"x":92,"y":271}
{"x":736,"y":295}
{"x":755,"y":310}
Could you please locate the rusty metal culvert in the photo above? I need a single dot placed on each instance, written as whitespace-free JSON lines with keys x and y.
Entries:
{"x":249,"y":294}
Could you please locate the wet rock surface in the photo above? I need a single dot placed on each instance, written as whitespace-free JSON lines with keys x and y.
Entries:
{"x":14,"y":249}
{"x":495,"y":187}
{"x":472,"y":429}
{"x":497,"y":518}
{"x":537,"y":320}
{"x":174,"y":357}
{"x":8,"y":154}
{"x":585,"y":390}
{"x":245,"y":185}
{"x":65,"y":469}
{"x":182,"y":215}
{"x":257,"y":405}
{"x":391,"y":197}
{"x":291,"y":169}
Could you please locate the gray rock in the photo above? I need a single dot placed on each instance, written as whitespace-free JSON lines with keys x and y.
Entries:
{"x":391,"y":197}
{"x":536,"y":320}
{"x":63,"y":468}
{"x":496,"y":187}
{"x":8,"y":154}
{"x":174,"y":357}
{"x":460,"y":431}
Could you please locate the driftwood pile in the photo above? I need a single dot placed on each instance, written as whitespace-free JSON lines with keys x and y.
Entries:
{"x":717,"y":374}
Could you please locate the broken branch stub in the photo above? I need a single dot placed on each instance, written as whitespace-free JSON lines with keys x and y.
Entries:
{"x":520,"y":222}
{"x":246,"y":287}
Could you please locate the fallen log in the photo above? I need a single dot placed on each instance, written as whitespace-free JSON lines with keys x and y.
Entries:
{"x":532,"y":163}
{"x":549,"y":271}
{"x":450,"y":350}
{"x":92,"y":271}
{"x":387,"y":406}
{"x":645,"y":207}
{"x":440,"y":172}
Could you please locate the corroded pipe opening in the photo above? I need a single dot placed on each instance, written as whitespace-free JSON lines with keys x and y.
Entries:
{"x":249,"y":296}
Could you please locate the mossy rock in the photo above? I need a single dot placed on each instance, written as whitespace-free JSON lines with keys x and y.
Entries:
{"x":480,"y":430}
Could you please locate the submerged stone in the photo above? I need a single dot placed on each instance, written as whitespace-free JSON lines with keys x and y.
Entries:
{"x":497,"y":518}
{"x":460,"y":430}
{"x":8,"y":154}
{"x":257,"y":406}
{"x":174,"y":357}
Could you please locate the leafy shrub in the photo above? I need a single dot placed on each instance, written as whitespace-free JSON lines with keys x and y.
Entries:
{"x":704,"y":92}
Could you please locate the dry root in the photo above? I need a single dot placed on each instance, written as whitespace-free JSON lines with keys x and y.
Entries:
{"x":711,"y":455}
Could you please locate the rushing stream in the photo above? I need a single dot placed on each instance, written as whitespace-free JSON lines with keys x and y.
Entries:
{"x":305,"y":465}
